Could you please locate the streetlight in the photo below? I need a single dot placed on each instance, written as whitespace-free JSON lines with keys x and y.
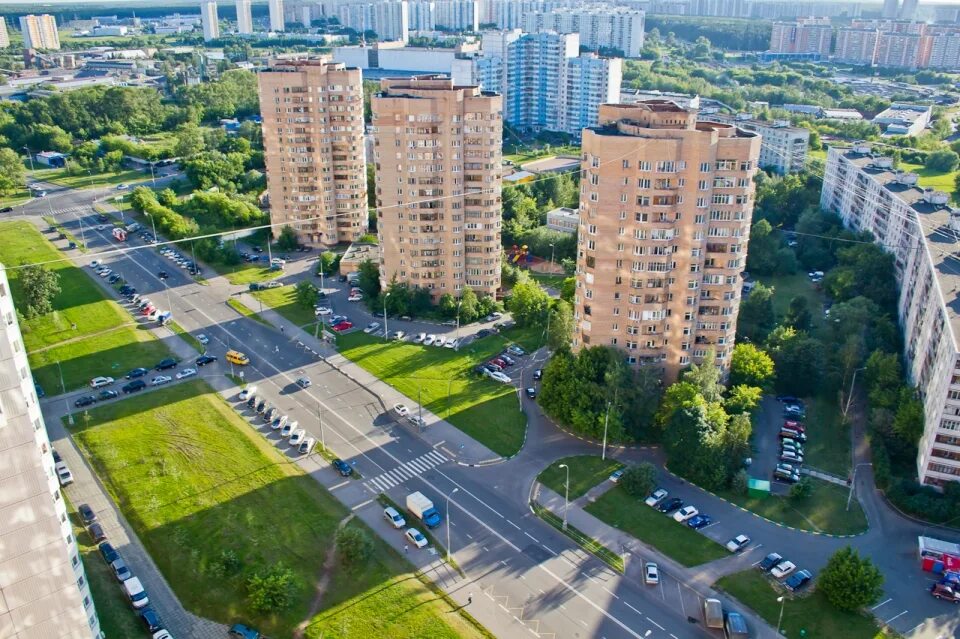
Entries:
{"x":80,"y":220}
{"x":606,"y":422}
{"x":783,"y":602}
{"x":566,"y":497}
{"x":850,"y":395}
{"x":853,"y":481}
{"x":29,"y":157}
{"x":154,"y":224}
{"x":320,"y":419}
{"x":552,"y":250}
{"x":456,"y":335}
{"x":386,"y":329}
{"x":448,"y":522}
{"x":66,"y":402}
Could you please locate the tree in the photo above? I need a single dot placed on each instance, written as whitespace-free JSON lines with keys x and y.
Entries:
{"x":692,"y":443}
{"x":40,"y":285}
{"x":762,"y":257}
{"x":706,"y":377}
{"x":447,"y":305}
{"x":272,"y":590}
{"x":528,"y":302}
{"x":167,"y":197}
{"x":369,"y":281}
{"x":943,"y":161}
{"x":849,"y":581}
{"x":306,"y":294}
{"x":740,"y":482}
{"x":800,"y":361}
{"x":802,"y":489}
{"x":640,"y":479}
{"x":13,"y":174}
{"x":568,"y":289}
{"x":743,"y":399}
{"x":757,"y":317}
{"x":798,"y":314}
{"x":908,"y":421}
{"x":468,"y":306}
{"x":353,"y":545}
{"x":287,"y":241}
{"x":750,"y":365}
{"x":189,"y":141}
{"x":328,"y":262}
{"x":561,"y":326}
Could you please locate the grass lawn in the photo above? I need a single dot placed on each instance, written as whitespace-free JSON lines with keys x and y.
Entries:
{"x":945,"y":182}
{"x":112,"y":354}
{"x":113,"y":609}
{"x":828,"y":440}
{"x":215,"y":503}
{"x":632,"y":516}
{"x":244,"y":310}
{"x":15,"y":198}
{"x":824,"y":511}
{"x":786,"y":287}
{"x":540,"y":153}
{"x":546,"y":279}
{"x":482,"y":408}
{"x":246,"y":273}
{"x":83,"y":180}
{"x":586,"y":471}
{"x":284,"y":301}
{"x":812,"y":612}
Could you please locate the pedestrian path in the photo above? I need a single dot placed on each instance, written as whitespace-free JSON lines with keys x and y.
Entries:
{"x":819,"y":474}
{"x":404,"y":472}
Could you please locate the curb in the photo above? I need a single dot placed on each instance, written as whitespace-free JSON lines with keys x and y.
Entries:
{"x":595,"y":442}
{"x":498,"y":460}
{"x":915,"y":520}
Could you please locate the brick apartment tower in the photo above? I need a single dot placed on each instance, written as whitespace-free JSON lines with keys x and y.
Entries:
{"x":437,"y":154}
{"x":313,"y":150}
{"x":665,"y":208}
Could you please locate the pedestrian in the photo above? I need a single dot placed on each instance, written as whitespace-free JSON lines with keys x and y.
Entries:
{"x":276,"y":349}
{"x":406,"y":548}
{"x":470,"y":599}
{"x":281,"y":330}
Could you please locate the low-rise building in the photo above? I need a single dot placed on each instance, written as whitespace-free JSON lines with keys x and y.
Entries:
{"x":783,"y":148}
{"x":563,"y":219}
{"x":834,"y":113}
{"x":904,"y":119}
{"x":922,"y":232}
{"x":356,"y":255}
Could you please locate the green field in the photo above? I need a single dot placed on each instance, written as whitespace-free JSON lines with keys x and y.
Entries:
{"x":84,"y":180}
{"x":586,"y":471}
{"x":945,"y":182}
{"x":824,"y":511}
{"x":246,"y":273}
{"x":284,"y":301}
{"x":246,"y":311}
{"x":828,"y":439}
{"x":811,"y":613}
{"x":482,"y":408}
{"x":786,"y":287}
{"x":15,"y":198}
{"x":215,"y":503}
{"x":678,"y":541}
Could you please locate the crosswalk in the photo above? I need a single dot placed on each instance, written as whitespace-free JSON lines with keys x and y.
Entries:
{"x":405,"y":472}
{"x":73,"y":210}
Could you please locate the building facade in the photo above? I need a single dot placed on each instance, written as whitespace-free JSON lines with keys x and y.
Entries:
{"x":4,"y":35}
{"x":665,"y":210}
{"x":313,"y":150}
{"x":904,"y":119}
{"x":805,"y":35}
{"x":390,"y":19}
{"x":40,"y":32}
{"x":922,"y":232}
{"x":43,"y":586}
{"x":783,"y":148}
{"x":276,"y":15}
{"x":438,"y":161}
{"x":599,"y":26}
{"x":564,"y":220}
{"x":245,"y":17}
{"x":856,"y":46}
{"x":210,"y":20}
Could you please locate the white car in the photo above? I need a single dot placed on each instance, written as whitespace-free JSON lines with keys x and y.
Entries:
{"x":783,"y":569}
{"x":100,"y":382}
{"x":297,"y":437}
{"x":323,"y":310}
{"x":104,"y":272}
{"x":203,"y":339}
{"x":288,"y":429}
{"x":162,"y":634}
{"x":738,"y":543}
{"x":95,"y":264}
{"x":685,"y":513}
{"x":416,"y":420}
{"x":246,"y":393}
{"x":187,"y":372}
{"x":419,"y":338}
{"x":440,"y":341}
{"x":371,"y":327}
{"x":356,"y":297}
{"x":63,"y":474}
{"x":399,"y":335}
{"x":656,"y":497}
{"x":451,"y":344}
{"x":430,"y":339}
{"x":416,"y":538}
{"x":159,"y":380}
{"x":616,"y":475}
{"x":651,"y":574}
{"x":401,"y":410}
{"x":498,"y":376}
{"x":396,"y":519}
{"x":122,"y":187}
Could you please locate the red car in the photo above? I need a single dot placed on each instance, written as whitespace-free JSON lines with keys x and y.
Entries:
{"x":499,"y":362}
{"x":792,"y":425}
{"x":147,"y":310}
{"x":342,"y":326}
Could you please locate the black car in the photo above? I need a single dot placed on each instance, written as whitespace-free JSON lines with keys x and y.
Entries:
{"x":126,"y":289}
{"x":113,"y":278}
{"x":6,"y":209}
{"x":532,"y":393}
{"x":195,"y":272}
{"x":770,"y":561}
{"x":203,"y":360}
{"x":86,"y":400}
{"x":252,"y":401}
{"x":481,"y":370}
{"x":342,"y":278}
{"x":483,"y":332}
{"x":109,"y":553}
{"x":166,"y":363}
{"x":258,"y":249}
{"x":87,"y":514}
{"x":538,"y":374}
{"x":96,"y":532}
{"x":261,"y":405}
{"x":163,"y":275}
{"x":134,"y":386}
{"x":137,"y":372}
{"x":108,"y":394}
{"x":150,"y":619}
{"x":342,"y":467}
{"x":789,"y":399}
{"x":56,"y":456}
{"x":670,"y":505}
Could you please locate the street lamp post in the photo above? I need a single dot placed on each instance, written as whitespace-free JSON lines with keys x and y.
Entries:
{"x":853,"y":381}
{"x":456,"y":335}
{"x":63,"y":388}
{"x":386,"y":329}
{"x":448,"y":522}
{"x":566,"y":496}
{"x":783,"y":602}
{"x":154,"y":225}
{"x":552,"y":250}
{"x":853,"y":481}
{"x":29,"y":157}
{"x":320,"y":419}
{"x":419,"y":410}
{"x":80,"y":220}
{"x":606,"y":422}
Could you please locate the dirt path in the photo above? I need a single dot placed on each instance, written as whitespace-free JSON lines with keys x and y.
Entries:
{"x":322,"y":583}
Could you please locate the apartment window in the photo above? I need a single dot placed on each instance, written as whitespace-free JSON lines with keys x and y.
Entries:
{"x":594,"y":161}
{"x":644,"y":165}
{"x":626,"y":164}
{"x":623,"y":198}
{"x":704,"y":167}
{"x":76,"y":560}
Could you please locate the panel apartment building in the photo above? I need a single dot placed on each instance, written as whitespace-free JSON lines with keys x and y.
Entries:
{"x":804,"y":35}
{"x":783,"y":148}
{"x":43,"y":588}
{"x":923,"y":233}
{"x":313,"y":150}
{"x":438,"y":161}
{"x":665,"y":210}
{"x":40,"y":32}
{"x":599,"y":26}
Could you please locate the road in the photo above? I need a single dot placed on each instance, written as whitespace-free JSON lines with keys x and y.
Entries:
{"x":520,"y":571}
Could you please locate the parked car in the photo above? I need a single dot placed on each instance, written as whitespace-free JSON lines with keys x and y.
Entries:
{"x":86,"y":400}
{"x":685,"y":513}
{"x":203,"y":339}
{"x":279,"y":422}
{"x":246,"y":393}
{"x":271,"y":414}
{"x":789,"y":456}
{"x":261,"y":405}
{"x":513,"y":349}
{"x":532,"y":394}
{"x":790,"y":433}
{"x":700,"y":521}
{"x":240,"y":631}
{"x":799,"y":579}
{"x":670,"y":505}
{"x":430,"y":339}
{"x":288,"y":429}
{"x":150,"y":619}
{"x":134,"y":386}
{"x":108,"y":394}
{"x":401,"y":410}
{"x":656,"y":497}
{"x":499,"y":377}
{"x":108,"y":552}
{"x":96,"y":533}
{"x":416,"y":538}
{"x":615,"y":475}
{"x":538,"y":374}
{"x":303,"y":382}
{"x":738,"y":543}
{"x":651,"y":574}
{"x":440,"y":341}
{"x":86,"y":514}
{"x":419,"y":338}
{"x":342,"y":467}
{"x":945,"y":592}
{"x":297,"y":436}
{"x":63,"y":474}
{"x":306,"y":446}
{"x":509,"y":361}
{"x":783,"y":569}
{"x":164,"y":364}
{"x":100,"y":382}
{"x":770,"y":561}
{"x":203,"y":360}
{"x":342,"y":326}
{"x":417,"y":422}
{"x":393,"y":517}
{"x":371,"y":327}
{"x":397,"y":335}
{"x":785,"y":476}
{"x":160,"y":380}
{"x":120,"y":569}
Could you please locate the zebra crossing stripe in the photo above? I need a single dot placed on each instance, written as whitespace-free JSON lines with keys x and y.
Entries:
{"x":435,"y":455}
{"x":421,"y":468}
{"x":406,"y":471}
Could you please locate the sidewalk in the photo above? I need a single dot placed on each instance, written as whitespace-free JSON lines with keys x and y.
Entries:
{"x":438,"y":433}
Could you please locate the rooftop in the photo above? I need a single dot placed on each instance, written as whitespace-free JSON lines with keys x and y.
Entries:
{"x":903,"y":112}
{"x":362,"y":252}
{"x":556,"y":164}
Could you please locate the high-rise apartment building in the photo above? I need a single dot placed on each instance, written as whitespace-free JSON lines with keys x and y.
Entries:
{"x":313,"y":130}
{"x":509,"y":14}
{"x":856,"y":46}
{"x":276,"y":15}
{"x":4,"y":35}
{"x":209,"y":20}
{"x":244,"y":17}
{"x":908,"y":11}
{"x":599,"y":26}
{"x":805,"y":35}
{"x":39,"y":32}
{"x":921,"y":230}
{"x":450,"y":15}
{"x":890,"y":9}
{"x":665,"y":210}
{"x":438,"y":160}
{"x":42,"y":585}
{"x":390,"y":19}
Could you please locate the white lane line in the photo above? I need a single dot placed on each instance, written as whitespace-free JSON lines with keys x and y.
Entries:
{"x":514,"y":525}
{"x":549,"y":549}
{"x":919,"y":625}
{"x":656,"y":624}
{"x":609,"y":592}
{"x":370,"y":501}
{"x":469,"y":536}
{"x":896,"y":616}
{"x":882,"y":602}
{"x":683,"y":609}
{"x":535,"y":540}
{"x":440,"y":443}
{"x":632,"y":608}
{"x":417,"y":466}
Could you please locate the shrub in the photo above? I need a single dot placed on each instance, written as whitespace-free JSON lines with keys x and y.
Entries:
{"x":272,"y":589}
{"x":639,"y":479}
{"x":353,"y":545}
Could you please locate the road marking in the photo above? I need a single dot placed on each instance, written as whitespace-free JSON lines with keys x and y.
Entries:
{"x":632,"y":608}
{"x":683,"y":609}
{"x":532,"y":537}
{"x":610,"y":593}
{"x":440,"y":443}
{"x":583,"y":623}
{"x":896,"y":616}
{"x":549,"y":549}
{"x":542,"y":591}
{"x":919,"y":625}
{"x":882,"y":602}
{"x":513,"y":524}
{"x":469,"y":536}
{"x":340,"y":485}
{"x":362,"y":504}
{"x":484,"y":549}
{"x":502,"y":562}
{"x":656,"y":624}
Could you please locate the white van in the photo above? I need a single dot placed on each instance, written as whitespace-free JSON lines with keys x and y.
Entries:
{"x":135,"y":592}
{"x":713,"y":613}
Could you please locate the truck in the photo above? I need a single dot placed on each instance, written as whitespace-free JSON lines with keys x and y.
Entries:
{"x":419,"y":505}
